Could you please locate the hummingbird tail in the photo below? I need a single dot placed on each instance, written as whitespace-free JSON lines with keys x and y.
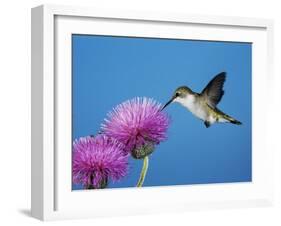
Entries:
{"x":236,"y":122}
{"x":232,"y":120}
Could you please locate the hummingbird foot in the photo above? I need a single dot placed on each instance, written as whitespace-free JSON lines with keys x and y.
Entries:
{"x":207,"y":124}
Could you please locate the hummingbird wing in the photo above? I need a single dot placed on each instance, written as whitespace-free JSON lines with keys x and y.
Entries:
{"x":213,"y":92}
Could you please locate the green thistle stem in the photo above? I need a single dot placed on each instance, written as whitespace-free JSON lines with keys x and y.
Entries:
{"x":143,"y":171}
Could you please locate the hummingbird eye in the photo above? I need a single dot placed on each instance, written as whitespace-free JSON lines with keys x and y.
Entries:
{"x":177,"y":94}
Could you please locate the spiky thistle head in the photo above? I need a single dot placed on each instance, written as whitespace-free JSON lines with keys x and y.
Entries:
{"x":139,"y":124}
{"x":97,"y":160}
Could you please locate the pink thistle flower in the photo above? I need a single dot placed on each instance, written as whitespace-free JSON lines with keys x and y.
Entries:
{"x":98,"y":159}
{"x":139,"y":124}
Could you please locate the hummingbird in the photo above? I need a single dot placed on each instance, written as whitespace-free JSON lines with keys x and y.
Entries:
{"x":204,"y":105}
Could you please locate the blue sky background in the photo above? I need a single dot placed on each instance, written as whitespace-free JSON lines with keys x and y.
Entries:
{"x":109,"y":70}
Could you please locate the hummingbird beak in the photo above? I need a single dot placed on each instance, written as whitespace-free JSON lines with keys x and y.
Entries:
{"x":170,"y":101}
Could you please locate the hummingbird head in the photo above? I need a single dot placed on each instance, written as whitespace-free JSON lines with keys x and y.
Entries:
{"x":180,"y":93}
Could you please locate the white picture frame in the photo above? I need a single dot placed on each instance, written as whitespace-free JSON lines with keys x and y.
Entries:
{"x":52,"y":197}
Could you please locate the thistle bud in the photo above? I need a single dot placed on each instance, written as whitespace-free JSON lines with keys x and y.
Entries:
{"x":143,"y":151}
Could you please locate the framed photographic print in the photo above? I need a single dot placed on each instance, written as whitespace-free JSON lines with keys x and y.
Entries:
{"x":137,"y":112}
